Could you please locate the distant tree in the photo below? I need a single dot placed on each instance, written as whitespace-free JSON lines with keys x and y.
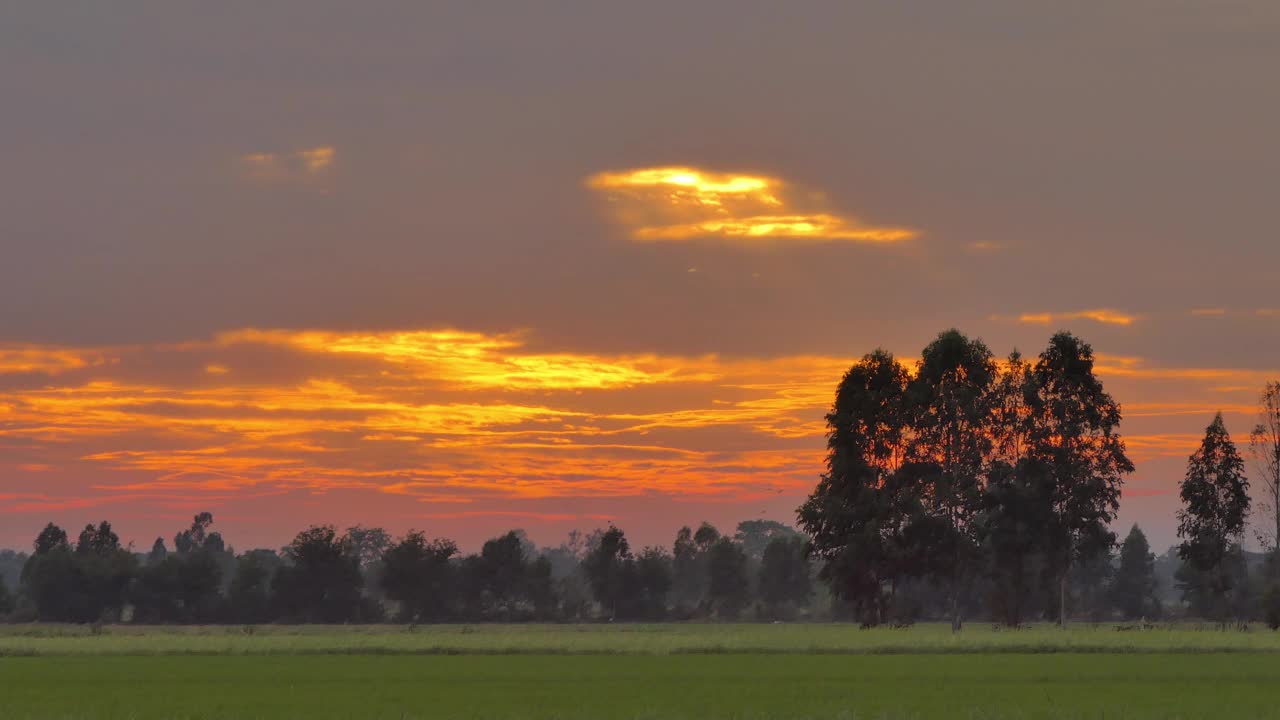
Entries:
{"x":249,"y":596}
{"x":99,"y":540}
{"x":86,"y":584}
{"x":1264,"y":442}
{"x":605,"y":567}
{"x":6,"y":600}
{"x":1133,"y":587}
{"x":854,"y":517}
{"x":321,"y":580}
{"x":1074,"y":435}
{"x":784,"y":583}
{"x":419,"y":578}
{"x":158,"y":552}
{"x":11,"y":564}
{"x":1215,"y":496}
{"x":753,"y":536}
{"x":504,"y":574}
{"x":368,"y":543}
{"x":728,"y":586}
{"x":647,"y":579}
{"x":198,"y":536}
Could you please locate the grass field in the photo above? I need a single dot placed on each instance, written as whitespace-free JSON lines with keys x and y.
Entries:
{"x":624,"y":639}
{"x":635,"y":671}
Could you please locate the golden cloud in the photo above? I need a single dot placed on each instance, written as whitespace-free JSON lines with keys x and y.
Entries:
{"x":296,"y":165}
{"x":686,"y":203}
{"x":46,"y":360}
{"x":1104,"y":316}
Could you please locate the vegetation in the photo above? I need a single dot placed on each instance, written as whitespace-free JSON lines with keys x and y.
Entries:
{"x":738,"y":686}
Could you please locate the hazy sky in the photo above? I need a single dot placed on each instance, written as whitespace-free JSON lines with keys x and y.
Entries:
{"x":393,"y":263}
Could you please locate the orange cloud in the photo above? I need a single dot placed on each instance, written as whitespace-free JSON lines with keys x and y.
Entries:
{"x":296,"y":165}
{"x":1104,"y":316}
{"x":685,"y":203}
{"x":46,"y":360}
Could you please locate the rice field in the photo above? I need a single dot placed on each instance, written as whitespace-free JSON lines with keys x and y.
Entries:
{"x":635,"y":672}
{"x":623,"y":639}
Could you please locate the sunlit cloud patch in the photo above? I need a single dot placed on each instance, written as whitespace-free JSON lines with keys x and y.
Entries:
{"x":1104,"y":316}
{"x":294,"y":165}
{"x":672,"y":204}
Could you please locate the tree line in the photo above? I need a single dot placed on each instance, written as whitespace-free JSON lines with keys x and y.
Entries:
{"x":960,"y":488}
{"x":966,"y":487}
{"x":366,"y":575}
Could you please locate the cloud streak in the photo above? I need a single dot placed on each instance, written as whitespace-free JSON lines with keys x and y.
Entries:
{"x":677,"y":204}
{"x":1103,"y":316}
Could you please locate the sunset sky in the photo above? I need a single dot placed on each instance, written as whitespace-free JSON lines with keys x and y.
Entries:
{"x":470,"y":267}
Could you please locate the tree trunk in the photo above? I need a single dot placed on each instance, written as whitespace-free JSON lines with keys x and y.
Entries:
{"x":1062,"y":599}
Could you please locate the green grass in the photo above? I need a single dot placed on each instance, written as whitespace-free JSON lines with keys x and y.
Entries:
{"x":660,"y":639}
{"x":645,"y":672}
{"x":1062,"y":685}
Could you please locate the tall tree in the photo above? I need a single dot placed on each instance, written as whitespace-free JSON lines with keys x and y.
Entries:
{"x":1215,"y":497}
{"x":1133,"y":588}
{"x":851,"y":516}
{"x":950,"y":405}
{"x":1264,"y":442}
{"x":1014,"y":406}
{"x":1075,"y":435}
{"x":1017,"y":509}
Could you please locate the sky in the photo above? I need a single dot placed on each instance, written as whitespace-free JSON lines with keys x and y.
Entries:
{"x":465,"y":267}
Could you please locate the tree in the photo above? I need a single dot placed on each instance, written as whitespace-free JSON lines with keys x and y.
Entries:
{"x":950,"y":402}
{"x":784,"y":583}
{"x":853,"y":516}
{"x":368,"y":543}
{"x":689,"y":567}
{"x":158,"y":552}
{"x":648,"y":579}
{"x":728,"y":585}
{"x":1017,"y":509}
{"x":249,"y":596}
{"x":753,"y":536}
{"x":321,"y":581}
{"x":605,"y":567}
{"x":1264,"y":442}
{"x":1133,"y":588}
{"x":506,"y":581}
{"x":85,"y":584}
{"x":1215,"y":496}
{"x":418,"y":576}
{"x":1074,"y":434}
{"x":198,"y":537}
{"x":6,"y":600}
{"x":49,"y":538}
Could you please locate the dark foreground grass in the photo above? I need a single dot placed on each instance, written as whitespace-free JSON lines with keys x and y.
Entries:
{"x":1007,"y":685}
